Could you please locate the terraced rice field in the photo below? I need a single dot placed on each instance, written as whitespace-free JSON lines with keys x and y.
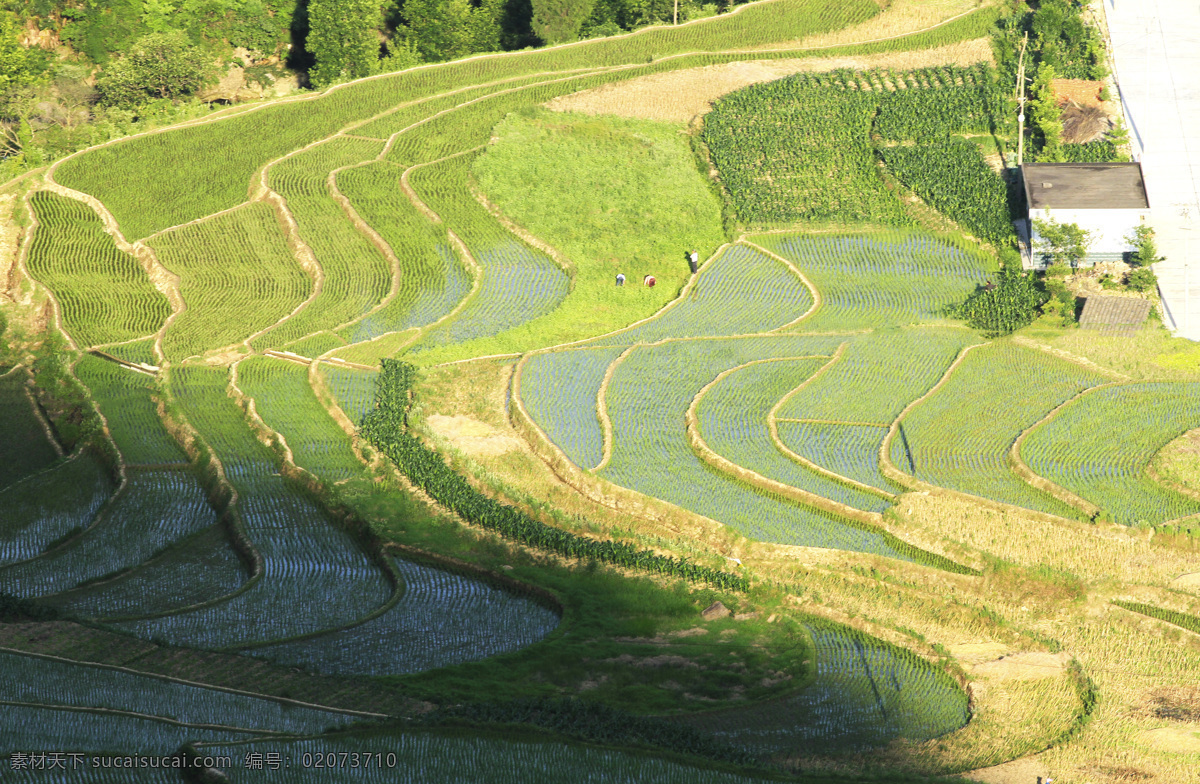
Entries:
{"x":45,"y":507}
{"x":556,"y":388}
{"x":432,"y":280}
{"x":285,"y":401}
{"x":650,"y":452}
{"x":353,"y":389}
{"x":237,"y":278}
{"x":127,"y":402}
{"x":1107,"y":465}
{"x":732,"y":418}
{"x":742,"y":291}
{"x":880,"y":281}
{"x":25,"y":445}
{"x":1008,"y":387}
{"x":197,"y":569}
{"x":866,"y":695}
{"x":155,"y":509}
{"x":41,"y":681}
{"x":441,"y":620}
{"x":796,"y":352}
{"x":103,"y":292}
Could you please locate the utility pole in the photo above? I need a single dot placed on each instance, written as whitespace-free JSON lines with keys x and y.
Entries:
{"x":1021,"y":103}
{"x":676,"y":18}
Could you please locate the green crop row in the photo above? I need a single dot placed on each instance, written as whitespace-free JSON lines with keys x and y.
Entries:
{"x":125,"y":398}
{"x":961,"y":435}
{"x":237,"y":276}
{"x":432,"y":280}
{"x":1182,"y":620}
{"x":951,"y":176}
{"x":356,"y":276}
{"x":159,"y":180}
{"x":889,"y":279}
{"x":1107,"y":465}
{"x":286,"y":402}
{"x":25,"y":446}
{"x":387,"y":428}
{"x":104,"y":293}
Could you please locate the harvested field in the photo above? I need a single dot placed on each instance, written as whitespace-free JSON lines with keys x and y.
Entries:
{"x":472,"y":436}
{"x":678,"y":96}
{"x":902,"y":17}
{"x":1024,"y":666}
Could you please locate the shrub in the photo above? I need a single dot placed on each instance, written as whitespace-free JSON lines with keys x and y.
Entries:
{"x":161,"y":65}
{"x":1142,"y":279}
{"x":1004,"y":308}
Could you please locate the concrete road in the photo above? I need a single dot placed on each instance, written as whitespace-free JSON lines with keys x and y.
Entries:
{"x":1156,"y":49}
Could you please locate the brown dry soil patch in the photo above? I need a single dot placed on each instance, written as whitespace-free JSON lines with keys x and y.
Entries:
{"x":900,"y":18}
{"x":1176,"y":703}
{"x":678,"y":96}
{"x":472,"y":436}
{"x":1024,"y":666}
{"x":972,"y":653}
{"x":1021,"y":771}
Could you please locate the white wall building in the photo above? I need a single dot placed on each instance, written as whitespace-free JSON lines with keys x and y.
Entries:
{"x":1106,"y":199}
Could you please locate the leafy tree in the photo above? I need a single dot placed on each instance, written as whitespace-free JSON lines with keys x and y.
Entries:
{"x":1145,"y":250}
{"x":556,"y":21}
{"x":1062,"y":243}
{"x":1046,"y":116}
{"x":1142,"y":279}
{"x":19,"y":67}
{"x":1005,"y":307}
{"x":447,"y":29}
{"x":159,"y":65}
{"x":343,"y":37}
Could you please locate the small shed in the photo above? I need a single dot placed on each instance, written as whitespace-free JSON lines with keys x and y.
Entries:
{"x":1114,"y":315}
{"x":1106,"y":199}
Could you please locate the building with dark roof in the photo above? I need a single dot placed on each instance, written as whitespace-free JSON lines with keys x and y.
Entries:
{"x":1106,"y":199}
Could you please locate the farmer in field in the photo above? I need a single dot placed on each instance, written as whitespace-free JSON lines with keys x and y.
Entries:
{"x":649,"y":281}
{"x":694,"y":261}
{"x":620,"y":278}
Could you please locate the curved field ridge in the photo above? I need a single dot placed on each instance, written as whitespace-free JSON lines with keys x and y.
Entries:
{"x":48,"y":506}
{"x":559,"y":390}
{"x":25,"y":445}
{"x":883,"y":280}
{"x":287,"y":404}
{"x":355,"y":276}
{"x":104,"y":293}
{"x":741,"y":291}
{"x":432,"y":758}
{"x":125,"y":398}
{"x":442,"y":619}
{"x":943,"y":440}
{"x":732,"y":417}
{"x":211,"y":163}
{"x":1107,"y":465}
{"x":237,"y":277}
{"x":647,"y":401}
{"x":315,"y":577}
{"x":432,"y":281}
{"x":153,"y":510}
{"x":519,"y":283}
{"x":99,"y":730}
{"x":866,"y":694}
{"x":196,"y":569}
{"x":34,"y":679}
{"x":849,"y":450}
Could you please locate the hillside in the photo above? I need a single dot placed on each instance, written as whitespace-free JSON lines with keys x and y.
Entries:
{"x":334,"y":437}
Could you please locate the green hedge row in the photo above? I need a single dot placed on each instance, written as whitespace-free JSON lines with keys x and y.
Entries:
{"x":387,"y":428}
